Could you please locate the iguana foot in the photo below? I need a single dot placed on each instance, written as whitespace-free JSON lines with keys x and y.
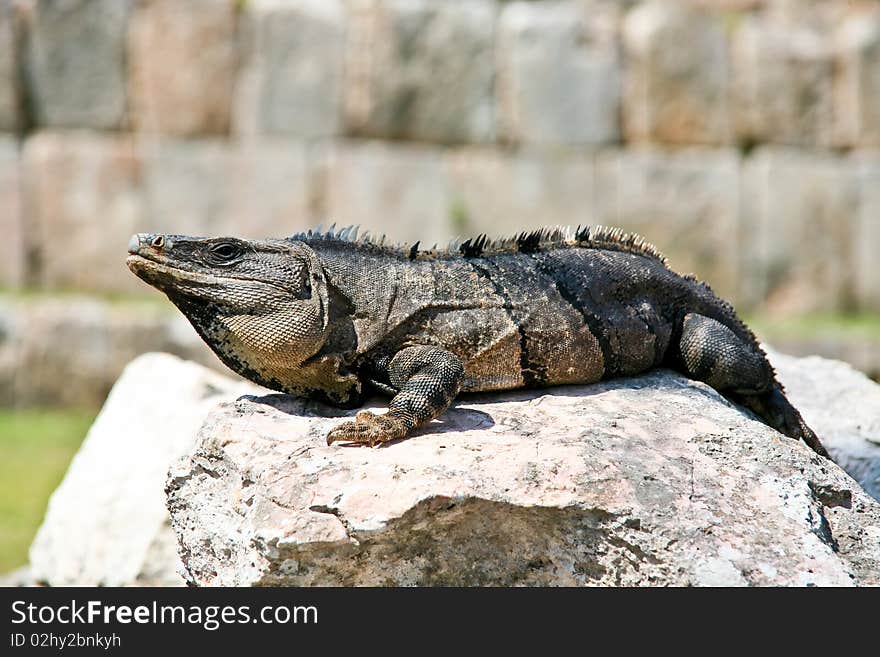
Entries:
{"x":368,"y":429}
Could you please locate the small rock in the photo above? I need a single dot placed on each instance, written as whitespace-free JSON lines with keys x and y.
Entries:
{"x":107,"y":524}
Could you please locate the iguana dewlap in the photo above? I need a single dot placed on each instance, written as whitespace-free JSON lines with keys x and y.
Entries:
{"x":332,"y":317}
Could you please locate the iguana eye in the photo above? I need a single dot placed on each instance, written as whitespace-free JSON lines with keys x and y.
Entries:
{"x":225,"y":251}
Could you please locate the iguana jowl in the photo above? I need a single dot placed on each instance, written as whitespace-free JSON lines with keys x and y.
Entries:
{"x":332,"y":317}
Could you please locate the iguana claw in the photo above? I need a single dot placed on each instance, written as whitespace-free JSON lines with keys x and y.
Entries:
{"x":368,"y":429}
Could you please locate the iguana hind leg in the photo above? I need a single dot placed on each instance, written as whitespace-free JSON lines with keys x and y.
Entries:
{"x":712,"y":353}
{"x":428,"y":380}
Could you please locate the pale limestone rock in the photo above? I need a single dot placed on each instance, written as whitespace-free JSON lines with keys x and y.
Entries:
{"x":76,"y":62}
{"x":676,"y":78}
{"x":183,"y":61}
{"x":559,"y":73}
{"x":643,"y":481}
{"x":421,"y":70}
{"x":107,"y":523}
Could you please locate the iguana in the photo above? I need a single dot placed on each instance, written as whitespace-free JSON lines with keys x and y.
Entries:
{"x":333,"y":317}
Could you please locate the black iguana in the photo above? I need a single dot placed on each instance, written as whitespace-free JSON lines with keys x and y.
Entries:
{"x":332,"y":317}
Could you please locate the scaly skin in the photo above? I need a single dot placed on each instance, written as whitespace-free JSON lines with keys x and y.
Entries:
{"x":330,"y":317}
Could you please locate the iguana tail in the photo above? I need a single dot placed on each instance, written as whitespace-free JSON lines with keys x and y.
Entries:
{"x":776,"y":411}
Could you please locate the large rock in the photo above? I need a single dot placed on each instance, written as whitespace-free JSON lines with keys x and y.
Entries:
{"x":183,"y":60}
{"x":422,"y":70}
{"x":76,"y":61}
{"x":107,"y":523}
{"x":676,"y":75}
{"x":643,"y":481}
{"x":559,"y":73}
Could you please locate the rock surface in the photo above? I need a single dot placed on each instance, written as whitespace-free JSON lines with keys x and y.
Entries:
{"x":644,"y":481}
{"x":107,"y":523}
{"x":842,"y":406}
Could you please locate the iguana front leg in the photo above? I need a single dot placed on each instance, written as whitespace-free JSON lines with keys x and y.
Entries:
{"x":427,"y":378}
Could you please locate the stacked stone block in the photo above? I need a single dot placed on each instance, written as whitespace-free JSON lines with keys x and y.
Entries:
{"x":718,"y":130}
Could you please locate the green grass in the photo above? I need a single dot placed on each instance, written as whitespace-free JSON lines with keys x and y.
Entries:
{"x":35,"y":449}
{"x":865,"y":325}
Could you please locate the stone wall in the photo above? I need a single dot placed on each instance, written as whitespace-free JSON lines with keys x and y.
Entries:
{"x":741,"y":136}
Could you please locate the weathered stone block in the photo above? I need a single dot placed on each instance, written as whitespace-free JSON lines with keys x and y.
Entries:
{"x":68,"y":350}
{"x":107,"y":523}
{"x":857,"y":81}
{"x":676,"y":82}
{"x":12,"y":246}
{"x":183,"y":59}
{"x":399,"y":190}
{"x":559,"y":73}
{"x":84,"y":199}
{"x":501,"y":193}
{"x":10,"y":85}
{"x":782,"y":83}
{"x":421,"y":70}
{"x":213,"y":187}
{"x":866,"y":235}
{"x":433,"y":195}
{"x":799,"y":215}
{"x":293,"y":79}
{"x":76,"y":62}
{"x":683,"y":201}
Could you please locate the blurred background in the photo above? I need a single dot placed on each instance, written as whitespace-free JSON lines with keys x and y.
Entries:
{"x":739,"y":136}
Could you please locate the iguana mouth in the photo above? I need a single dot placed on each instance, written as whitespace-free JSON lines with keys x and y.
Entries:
{"x":168,"y":277}
{"x":163,"y":276}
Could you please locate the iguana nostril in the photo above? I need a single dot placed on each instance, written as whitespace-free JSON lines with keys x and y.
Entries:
{"x":158,"y":242}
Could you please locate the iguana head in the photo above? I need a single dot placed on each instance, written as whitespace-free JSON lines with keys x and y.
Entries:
{"x":260,"y":305}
